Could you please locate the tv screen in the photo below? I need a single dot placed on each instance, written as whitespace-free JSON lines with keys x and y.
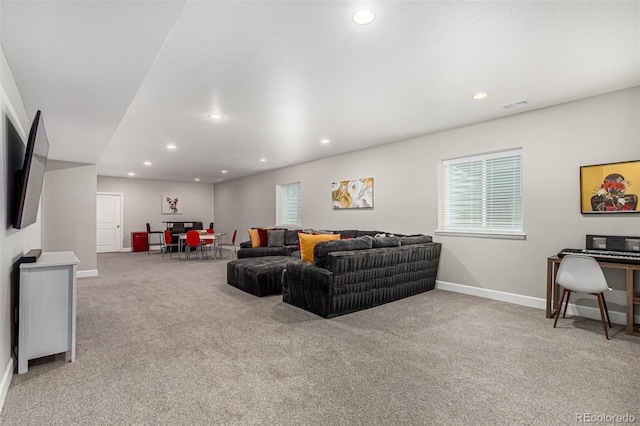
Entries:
{"x":31,"y":176}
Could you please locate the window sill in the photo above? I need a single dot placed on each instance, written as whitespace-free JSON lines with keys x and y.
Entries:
{"x":480,"y":234}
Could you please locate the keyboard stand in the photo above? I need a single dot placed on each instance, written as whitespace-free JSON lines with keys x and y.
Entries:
{"x":633,"y":298}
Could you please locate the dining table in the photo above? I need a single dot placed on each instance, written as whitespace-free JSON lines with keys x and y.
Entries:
{"x":204,"y":235}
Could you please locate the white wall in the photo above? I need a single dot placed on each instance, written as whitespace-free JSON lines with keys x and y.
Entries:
{"x":556,"y":141}
{"x":69,"y":205}
{"x":13,"y":243}
{"x":142,"y":202}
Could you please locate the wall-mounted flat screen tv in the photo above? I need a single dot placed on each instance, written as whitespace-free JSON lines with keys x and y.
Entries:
{"x":30,"y":178}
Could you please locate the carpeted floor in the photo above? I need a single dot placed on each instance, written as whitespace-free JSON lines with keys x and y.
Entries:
{"x":167,"y":342}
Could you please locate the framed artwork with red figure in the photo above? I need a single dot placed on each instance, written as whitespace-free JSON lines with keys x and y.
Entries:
{"x":610,"y":188}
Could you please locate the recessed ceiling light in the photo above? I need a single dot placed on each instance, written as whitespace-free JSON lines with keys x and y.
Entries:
{"x":325,"y":141}
{"x":131,"y":174}
{"x":263,"y":160}
{"x":197,"y":179}
{"x":147,"y":163}
{"x":223,"y":171}
{"x":480,"y":95}
{"x":363,"y":16}
{"x":171,"y":146}
{"x":216,"y":116}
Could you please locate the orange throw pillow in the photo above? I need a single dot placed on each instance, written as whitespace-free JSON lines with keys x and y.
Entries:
{"x":255,"y":237}
{"x":308,"y":242}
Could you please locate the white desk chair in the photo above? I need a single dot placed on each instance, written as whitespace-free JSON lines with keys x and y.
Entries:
{"x":582,"y":274}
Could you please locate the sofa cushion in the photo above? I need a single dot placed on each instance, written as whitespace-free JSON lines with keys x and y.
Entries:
{"x":262,"y":252}
{"x":348,"y":233}
{"x":380,"y":242}
{"x":322,"y":250}
{"x":275,"y":237}
{"x":255,"y":237}
{"x":308,"y":242}
{"x":291,"y":237}
{"x":415,"y":239}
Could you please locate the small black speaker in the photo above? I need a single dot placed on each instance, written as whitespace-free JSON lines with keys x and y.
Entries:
{"x":32,"y":256}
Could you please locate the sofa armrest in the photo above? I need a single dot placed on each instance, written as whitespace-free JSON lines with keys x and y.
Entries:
{"x":308,"y":275}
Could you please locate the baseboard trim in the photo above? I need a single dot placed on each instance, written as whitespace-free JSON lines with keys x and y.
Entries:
{"x":531,"y":302}
{"x":126,"y":250}
{"x":518,"y":299}
{"x":6,"y":381}
{"x":87,"y":273}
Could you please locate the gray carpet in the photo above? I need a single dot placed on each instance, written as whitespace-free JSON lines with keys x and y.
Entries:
{"x":162,"y":342}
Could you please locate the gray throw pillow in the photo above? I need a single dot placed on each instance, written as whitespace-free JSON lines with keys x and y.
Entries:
{"x":275,"y":237}
{"x":291,"y":237}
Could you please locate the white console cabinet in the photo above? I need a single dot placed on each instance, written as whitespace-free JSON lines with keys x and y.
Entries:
{"x":47,"y":307}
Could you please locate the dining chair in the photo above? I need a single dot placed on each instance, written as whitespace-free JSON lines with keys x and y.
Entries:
{"x":207,"y":242}
{"x":178,"y":228}
{"x":149,"y":233}
{"x":168,"y":244}
{"x":231,"y":244}
{"x":582,"y":274}
{"x":193,"y":241}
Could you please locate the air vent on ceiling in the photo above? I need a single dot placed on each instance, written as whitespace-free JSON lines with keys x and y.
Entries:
{"x":516,"y":104}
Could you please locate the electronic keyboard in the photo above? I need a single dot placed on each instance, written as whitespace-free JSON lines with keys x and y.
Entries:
{"x":613,"y":256}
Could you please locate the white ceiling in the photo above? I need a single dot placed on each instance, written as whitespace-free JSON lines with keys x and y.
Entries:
{"x":118,"y":81}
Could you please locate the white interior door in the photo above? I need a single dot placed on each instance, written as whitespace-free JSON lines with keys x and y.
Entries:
{"x":109,"y":223}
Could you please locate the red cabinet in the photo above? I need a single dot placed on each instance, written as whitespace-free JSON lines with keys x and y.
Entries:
{"x":139,"y":241}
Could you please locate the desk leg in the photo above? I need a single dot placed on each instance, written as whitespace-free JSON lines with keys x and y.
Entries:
{"x":549,"y":285}
{"x":552,"y":289}
{"x":629,"y":301}
{"x":556,"y":289}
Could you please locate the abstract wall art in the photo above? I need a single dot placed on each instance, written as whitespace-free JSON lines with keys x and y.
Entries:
{"x":352,"y":194}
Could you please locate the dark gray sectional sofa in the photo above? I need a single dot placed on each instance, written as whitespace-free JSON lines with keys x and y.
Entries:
{"x":348,"y":275}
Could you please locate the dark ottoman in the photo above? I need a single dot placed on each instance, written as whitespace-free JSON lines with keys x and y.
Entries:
{"x":257,"y":275}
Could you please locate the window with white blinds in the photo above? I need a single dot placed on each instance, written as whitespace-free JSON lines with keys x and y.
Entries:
{"x":483,"y":194}
{"x":289,"y":199}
